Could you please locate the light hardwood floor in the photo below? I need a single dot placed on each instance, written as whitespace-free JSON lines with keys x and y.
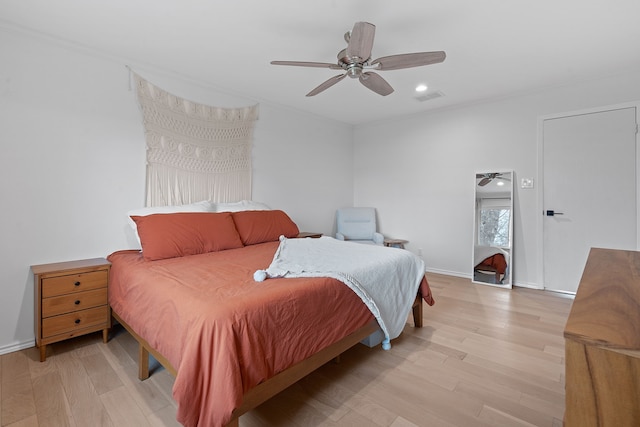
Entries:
{"x":485,"y":357}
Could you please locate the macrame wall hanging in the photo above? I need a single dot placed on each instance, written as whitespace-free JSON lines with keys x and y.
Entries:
{"x":194,"y":152}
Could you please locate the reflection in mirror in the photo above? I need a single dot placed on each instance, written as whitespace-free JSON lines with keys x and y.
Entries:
{"x":493,"y":229}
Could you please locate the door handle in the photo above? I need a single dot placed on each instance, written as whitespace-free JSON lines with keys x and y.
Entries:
{"x":554,"y":213}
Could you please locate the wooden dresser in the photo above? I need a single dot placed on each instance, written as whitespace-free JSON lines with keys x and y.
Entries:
{"x":70,"y":300}
{"x":602,"y":343}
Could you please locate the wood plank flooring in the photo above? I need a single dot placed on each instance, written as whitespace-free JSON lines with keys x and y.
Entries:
{"x":485,"y":357}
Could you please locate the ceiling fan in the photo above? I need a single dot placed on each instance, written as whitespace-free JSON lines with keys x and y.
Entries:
{"x":486,"y":178}
{"x":356,"y":58}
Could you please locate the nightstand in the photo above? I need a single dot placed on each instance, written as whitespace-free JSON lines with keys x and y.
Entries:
{"x":304,"y":234}
{"x":395,"y":243}
{"x":70,"y":300}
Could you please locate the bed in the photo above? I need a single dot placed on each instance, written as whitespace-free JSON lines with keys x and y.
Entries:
{"x":190,"y":299}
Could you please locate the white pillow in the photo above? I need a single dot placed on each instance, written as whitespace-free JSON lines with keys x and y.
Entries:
{"x":243,"y":205}
{"x":203,"y":206}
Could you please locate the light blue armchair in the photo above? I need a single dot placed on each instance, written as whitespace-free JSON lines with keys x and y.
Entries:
{"x":358,"y":225}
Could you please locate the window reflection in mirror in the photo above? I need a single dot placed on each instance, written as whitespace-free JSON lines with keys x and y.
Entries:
{"x":493,"y":225}
{"x":493,"y":228}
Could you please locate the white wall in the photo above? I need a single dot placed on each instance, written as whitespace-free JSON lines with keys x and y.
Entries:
{"x":73,"y":163}
{"x":419,"y":171}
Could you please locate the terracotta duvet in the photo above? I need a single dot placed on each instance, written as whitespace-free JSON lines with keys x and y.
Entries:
{"x":222,"y":331}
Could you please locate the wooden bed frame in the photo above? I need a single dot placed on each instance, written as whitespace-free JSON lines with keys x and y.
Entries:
{"x":269,"y":388}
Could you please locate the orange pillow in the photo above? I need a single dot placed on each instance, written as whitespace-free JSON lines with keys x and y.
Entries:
{"x":185,"y":233}
{"x":263,"y":226}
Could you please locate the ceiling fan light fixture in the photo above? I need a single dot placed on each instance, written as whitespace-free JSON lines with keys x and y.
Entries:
{"x":354,"y":71}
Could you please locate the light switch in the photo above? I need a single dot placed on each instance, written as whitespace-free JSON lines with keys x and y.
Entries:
{"x":526,"y":183}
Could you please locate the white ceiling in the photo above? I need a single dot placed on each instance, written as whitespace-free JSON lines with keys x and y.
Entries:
{"x":494,"y":48}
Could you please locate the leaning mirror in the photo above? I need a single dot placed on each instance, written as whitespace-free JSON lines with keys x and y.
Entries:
{"x":493,"y":229}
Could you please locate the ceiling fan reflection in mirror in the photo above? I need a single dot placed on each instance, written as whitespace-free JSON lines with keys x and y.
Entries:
{"x":355,"y":60}
{"x":486,"y":178}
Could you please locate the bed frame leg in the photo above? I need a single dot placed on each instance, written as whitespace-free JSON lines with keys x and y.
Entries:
{"x":417,"y":312}
{"x":143,"y":363}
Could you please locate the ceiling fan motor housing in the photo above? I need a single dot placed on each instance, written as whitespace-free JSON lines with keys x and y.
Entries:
{"x":352,"y":65}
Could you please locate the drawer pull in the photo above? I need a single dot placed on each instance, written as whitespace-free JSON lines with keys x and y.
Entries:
{"x":77,"y":302}
{"x":77,"y":321}
{"x":77,"y":283}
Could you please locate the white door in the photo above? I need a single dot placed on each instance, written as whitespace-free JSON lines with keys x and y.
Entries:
{"x":589,"y":182}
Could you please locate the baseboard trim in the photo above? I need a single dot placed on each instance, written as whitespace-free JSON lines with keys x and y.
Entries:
{"x":448,"y":273}
{"x":528,"y":286}
{"x":17,"y":347}
{"x":566,"y":294}
{"x":468,"y":276}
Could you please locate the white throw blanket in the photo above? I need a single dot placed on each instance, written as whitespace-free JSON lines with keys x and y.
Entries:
{"x":386,"y":279}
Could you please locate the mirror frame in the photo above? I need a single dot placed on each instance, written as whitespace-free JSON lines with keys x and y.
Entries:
{"x":507,"y":278}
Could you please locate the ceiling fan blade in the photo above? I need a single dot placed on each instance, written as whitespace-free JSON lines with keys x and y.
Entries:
{"x":308,"y":64}
{"x":361,"y":40}
{"x":376,"y":83}
{"x":484,"y":181}
{"x":409,"y":60}
{"x":327,"y":84}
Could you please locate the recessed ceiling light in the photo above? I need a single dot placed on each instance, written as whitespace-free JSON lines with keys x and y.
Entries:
{"x":421,"y":88}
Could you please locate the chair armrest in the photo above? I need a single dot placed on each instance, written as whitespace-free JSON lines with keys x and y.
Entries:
{"x":339,"y":236}
{"x":378,"y":238}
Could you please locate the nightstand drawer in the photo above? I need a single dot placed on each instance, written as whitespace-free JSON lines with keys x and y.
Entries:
{"x":61,"y":285}
{"x":74,"y":321}
{"x":73,"y":302}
